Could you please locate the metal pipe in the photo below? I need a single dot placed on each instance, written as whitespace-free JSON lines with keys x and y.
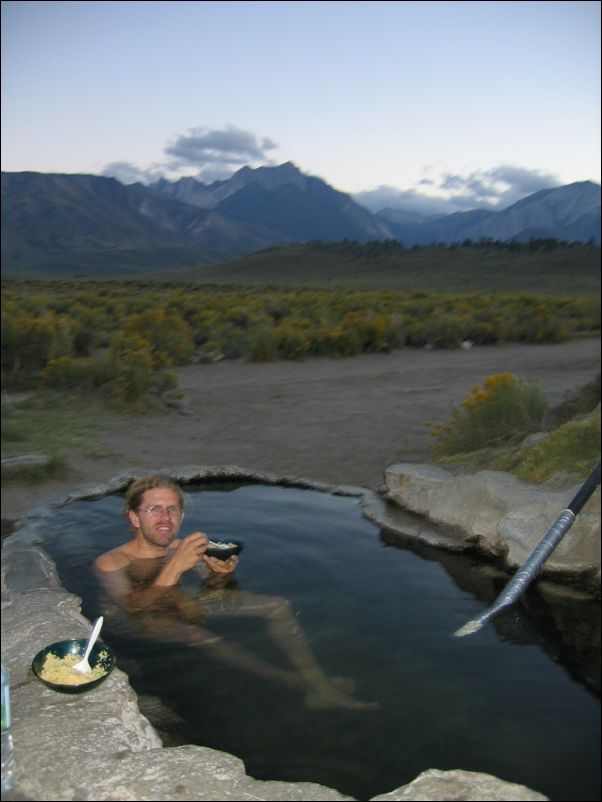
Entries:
{"x":526,"y":573}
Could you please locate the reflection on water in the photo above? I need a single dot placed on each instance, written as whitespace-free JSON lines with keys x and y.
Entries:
{"x":516,"y":700}
{"x":562,"y":621}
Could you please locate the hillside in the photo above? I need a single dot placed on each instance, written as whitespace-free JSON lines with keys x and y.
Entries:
{"x":562,"y":270}
{"x":64,"y":225}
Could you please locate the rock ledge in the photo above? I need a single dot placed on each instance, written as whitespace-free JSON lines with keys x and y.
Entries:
{"x":60,"y":740}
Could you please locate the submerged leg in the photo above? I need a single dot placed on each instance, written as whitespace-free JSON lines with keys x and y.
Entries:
{"x":239,"y":658}
{"x":283,"y":626}
{"x":167,"y":628}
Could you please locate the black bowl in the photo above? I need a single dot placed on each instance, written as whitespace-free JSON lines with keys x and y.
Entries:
{"x":224,"y":553}
{"x":101,"y":654}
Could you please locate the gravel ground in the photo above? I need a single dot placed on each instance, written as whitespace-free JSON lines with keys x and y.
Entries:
{"x":339,"y":421}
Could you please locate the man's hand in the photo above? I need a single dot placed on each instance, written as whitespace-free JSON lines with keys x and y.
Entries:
{"x":221,"y":566}
{"x":188,"y":553}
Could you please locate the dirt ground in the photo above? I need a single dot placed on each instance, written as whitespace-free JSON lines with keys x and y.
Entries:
{"x":339,"y":421}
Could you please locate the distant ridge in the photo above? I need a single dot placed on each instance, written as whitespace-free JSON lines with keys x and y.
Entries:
{"x":571,"y":213}
{"x":69,"y":224}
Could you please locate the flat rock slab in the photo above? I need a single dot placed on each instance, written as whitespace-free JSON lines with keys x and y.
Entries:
{"x":500,"y":515}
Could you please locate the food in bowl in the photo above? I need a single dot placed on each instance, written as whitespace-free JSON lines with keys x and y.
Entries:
{"x":60,"y":671}
{"x":223,"y":549}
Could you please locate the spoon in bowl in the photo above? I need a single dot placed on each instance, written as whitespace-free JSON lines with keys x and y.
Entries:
{"x":84,"y":666}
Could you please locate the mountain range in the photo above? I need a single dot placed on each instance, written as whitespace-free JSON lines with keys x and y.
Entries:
{"x":68,"y":224}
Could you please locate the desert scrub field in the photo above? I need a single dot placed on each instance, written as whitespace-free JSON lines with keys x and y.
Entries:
{"x":122,"y":337}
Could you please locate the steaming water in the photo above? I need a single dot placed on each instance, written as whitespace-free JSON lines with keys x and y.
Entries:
{"x":512,"y":700}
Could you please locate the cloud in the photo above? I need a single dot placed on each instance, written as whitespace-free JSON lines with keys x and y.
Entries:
{"x":211,"y":154}
{"x":129,"y":173}
{"x":411,"y":200}
{"x":216,"y":154}
{"x":523,"y":180}
{"x":496,"y":188}
{"x":230,"y":146}
{"x":493,"y":189}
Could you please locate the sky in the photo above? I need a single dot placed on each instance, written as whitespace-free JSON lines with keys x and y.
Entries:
{"x":430,"y":106}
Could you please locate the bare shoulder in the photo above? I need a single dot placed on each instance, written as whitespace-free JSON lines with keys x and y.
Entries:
{"x":113,"y":560}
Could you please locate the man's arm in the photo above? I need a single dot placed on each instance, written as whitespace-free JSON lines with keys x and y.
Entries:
{"x":111,"y":569}
{"x":189,"y":553}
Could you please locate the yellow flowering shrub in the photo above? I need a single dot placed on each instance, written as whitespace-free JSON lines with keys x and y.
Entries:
{"x":503,"y":409}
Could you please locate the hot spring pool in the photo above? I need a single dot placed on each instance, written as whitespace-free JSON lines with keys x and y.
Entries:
{"x":512,"y":700}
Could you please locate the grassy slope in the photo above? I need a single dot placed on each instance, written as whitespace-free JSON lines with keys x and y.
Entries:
{"x":569,"y":452}
{"x":562,"y":271}
{"x":56,"y":424}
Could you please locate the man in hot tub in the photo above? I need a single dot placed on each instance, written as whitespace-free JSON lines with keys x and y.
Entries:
{"x":143,"y":577}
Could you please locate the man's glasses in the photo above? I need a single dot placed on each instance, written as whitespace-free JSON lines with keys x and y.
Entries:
{"x":157,"y":512}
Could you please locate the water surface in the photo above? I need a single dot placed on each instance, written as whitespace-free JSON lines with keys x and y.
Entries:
{"x":514,"y":700}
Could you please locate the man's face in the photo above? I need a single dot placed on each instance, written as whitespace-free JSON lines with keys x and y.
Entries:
{"x":160,"y":528}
